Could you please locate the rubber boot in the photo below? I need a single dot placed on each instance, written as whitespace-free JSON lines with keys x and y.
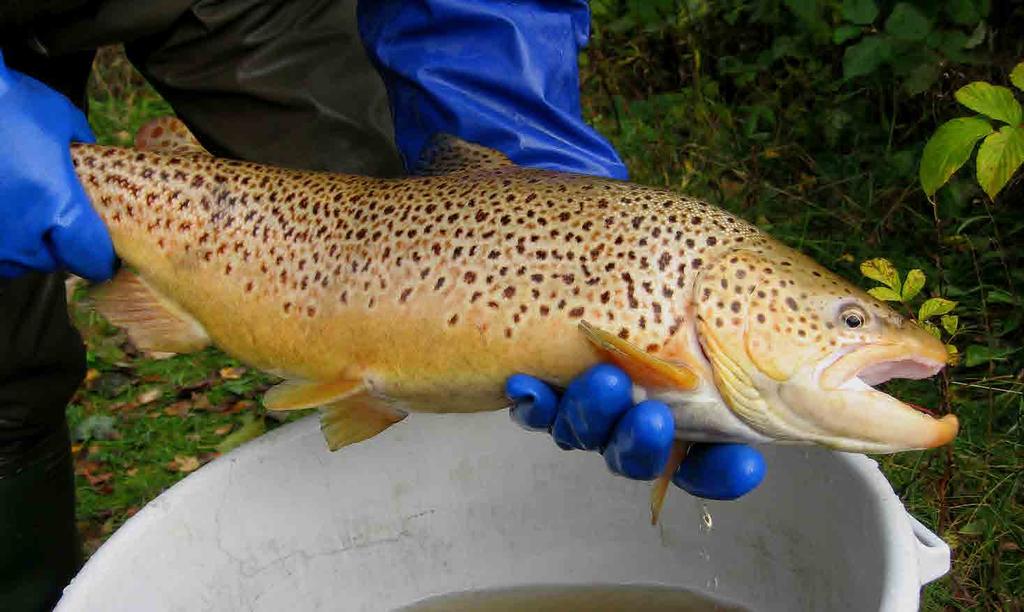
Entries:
{"x":40,"y":550}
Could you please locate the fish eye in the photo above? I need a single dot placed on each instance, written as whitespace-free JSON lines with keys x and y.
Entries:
{"x":853,"y":317}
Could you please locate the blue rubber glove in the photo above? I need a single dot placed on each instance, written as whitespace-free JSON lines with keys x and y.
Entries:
{"x":501,"y":74}
{"x":596,"y":412}
{"x":48,"y":222}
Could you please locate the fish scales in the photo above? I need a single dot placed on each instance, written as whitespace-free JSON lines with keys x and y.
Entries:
{"x":436,"y":281}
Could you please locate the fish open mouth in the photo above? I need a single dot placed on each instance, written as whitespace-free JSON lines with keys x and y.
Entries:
{"x":886,"y":418}
{"x":875,"y":375}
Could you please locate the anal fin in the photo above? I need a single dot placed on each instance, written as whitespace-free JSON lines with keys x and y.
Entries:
{"x":350,"y":413}
{"x":153,"y":322}
{"x":660,"y":489}
{"x":355,"y":419}
{"x":643,"y":368}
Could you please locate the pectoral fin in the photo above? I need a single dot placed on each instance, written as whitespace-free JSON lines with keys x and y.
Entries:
{"x":675,"y":459}
{"x":302,"y":394}
{"x":153,"y":322}
{"x":355,"y":419}
{"x":645,"y":369}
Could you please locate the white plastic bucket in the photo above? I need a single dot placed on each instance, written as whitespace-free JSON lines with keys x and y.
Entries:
{"x":440,"y":504}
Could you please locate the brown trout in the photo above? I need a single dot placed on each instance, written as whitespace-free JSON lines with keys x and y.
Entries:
{"x":374,"y":297}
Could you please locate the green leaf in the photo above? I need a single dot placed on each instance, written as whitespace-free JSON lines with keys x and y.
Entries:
{"x":963,"y":12}
{"x":931,"y":329}
{"x":993,"y":101}
{"x":884,"y":293}
{"x":861,"y":12}
{"x":975,"y":528}
{"x":845,"y":33}
{"x":809,"y":12}
{"x":906,"y":22}
{"x":881,"y":270}
{"x":977,"y":36}
{"x":1017,"y":76}
{"x":950,"y":323}
{"x":933,"y":307}
{"x":999,"y":157}
{"x":866,"y":56}
{"x":948,"y":149}
{"x":978,"y":354}
{"x":912,"y":285}
{"x":252,"y":427}
{"x":921,"y":78}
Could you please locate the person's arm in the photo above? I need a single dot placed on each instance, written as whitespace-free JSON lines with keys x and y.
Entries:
{"x":505,"y":75}
{"x":501,"y":74}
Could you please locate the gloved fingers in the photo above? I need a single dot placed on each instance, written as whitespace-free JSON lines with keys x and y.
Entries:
{"x":720,"y":471}
{"x":81,"y":131}
{"x":591,"y":407}
{"x":642,"y":441}
{"x":534,"y":402}
{"x":79,"y":240}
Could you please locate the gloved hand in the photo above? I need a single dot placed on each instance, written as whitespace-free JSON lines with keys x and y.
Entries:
{"x":48,"y":222}
{"x":596,"y":412}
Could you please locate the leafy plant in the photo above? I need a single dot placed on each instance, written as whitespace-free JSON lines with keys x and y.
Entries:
{"x":1001,"y":152}
{"x":914,"y":39}
{"x":904,"y":291}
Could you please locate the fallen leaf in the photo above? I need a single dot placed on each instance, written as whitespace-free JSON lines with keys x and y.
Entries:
{"x":112,"y":384}
{"x":239,"y":406}
{"x":183,"y":463}
{"x":201,"y":402}
{"x":130,"y":511}
{"x":231,"y":373}
{"x":178,"y":409}
{"x":205,"y":458}
{"x":187,"y":390}
{"x":149,"y":395}
{"x":91,"y":375}
{"x":131,"y":471}
{"x":224,"y":429}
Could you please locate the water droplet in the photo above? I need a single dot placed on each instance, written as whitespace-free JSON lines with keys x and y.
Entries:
{"x":706,"y":522}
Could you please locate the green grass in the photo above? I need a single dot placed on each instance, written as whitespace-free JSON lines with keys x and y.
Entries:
{"x":848,"y":195}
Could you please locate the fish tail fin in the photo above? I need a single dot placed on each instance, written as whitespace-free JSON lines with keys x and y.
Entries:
{"x":168,"y":135}
{"x":154,"y":323}
{"x":660,"y":488}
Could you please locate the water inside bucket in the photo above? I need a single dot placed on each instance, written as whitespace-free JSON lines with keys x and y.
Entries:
{"x":592,"y":598}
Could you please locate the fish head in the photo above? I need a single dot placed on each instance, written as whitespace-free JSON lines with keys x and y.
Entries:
{"x":796,"y":352}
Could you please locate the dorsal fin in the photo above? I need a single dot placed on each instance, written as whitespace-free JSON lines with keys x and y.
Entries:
{"x":445,"y":154}
{"x":168,"y":135}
